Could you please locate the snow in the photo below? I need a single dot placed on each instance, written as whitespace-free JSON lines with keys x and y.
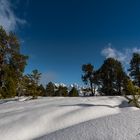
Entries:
{"x":67,"y":118}
{"x":123,"y":126}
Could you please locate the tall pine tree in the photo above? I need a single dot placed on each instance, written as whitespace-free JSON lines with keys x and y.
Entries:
{"x":111,"y":76}
{"x":34,"y":83}
{"x":88,"y":76}
{"x":50,"y":89}
{"x":135,"y":69}
{"x":12,"y":63}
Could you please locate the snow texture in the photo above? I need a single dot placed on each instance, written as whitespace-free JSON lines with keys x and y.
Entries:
{"x":78,"y":118}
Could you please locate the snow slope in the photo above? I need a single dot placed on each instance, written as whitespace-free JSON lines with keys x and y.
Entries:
{"x":60,"y":118}
{"x":123,"y":126}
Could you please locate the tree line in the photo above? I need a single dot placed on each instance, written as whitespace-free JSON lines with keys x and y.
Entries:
{"x":13,"y":81}
{"x":110,"y":79}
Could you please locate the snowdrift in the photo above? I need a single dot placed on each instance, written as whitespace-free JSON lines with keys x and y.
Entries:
{"x":59,"y":118}
{"x":124,"y":126}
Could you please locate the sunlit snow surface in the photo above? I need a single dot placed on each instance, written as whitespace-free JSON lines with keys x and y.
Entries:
{"x":59,"y":118}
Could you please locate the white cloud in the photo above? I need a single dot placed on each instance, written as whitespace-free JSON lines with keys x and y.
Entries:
{"x":136,"y":50}
{"x":8,"y":19}
{"x":123,"y":56}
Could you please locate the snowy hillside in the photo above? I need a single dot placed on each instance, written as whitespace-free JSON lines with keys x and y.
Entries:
{"x":124,"y":126}
{"x":59,"y":118}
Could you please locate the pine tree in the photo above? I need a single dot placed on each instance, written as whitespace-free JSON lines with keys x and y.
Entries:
{"x":62,"y":91}
{"x":131,"y":89}
{"x":50,"y":89}
{"x":111,"y":76}
{"x":132,"y":84}
{"x":135,"y":69}
{"x":88,"y":76}
{"x":41,"y":90}
{"x":12,"y":62}
{"x":34,"y":83}
{"x":25,"y":89}
{"x":10,"y":88}
{"x":73,"y":92}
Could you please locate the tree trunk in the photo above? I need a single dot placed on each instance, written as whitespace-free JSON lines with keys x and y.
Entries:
{"x":94,"y":89}
{"x":91,"y":88}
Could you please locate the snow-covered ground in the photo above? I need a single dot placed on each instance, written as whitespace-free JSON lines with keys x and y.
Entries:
{"x":67,"y":118}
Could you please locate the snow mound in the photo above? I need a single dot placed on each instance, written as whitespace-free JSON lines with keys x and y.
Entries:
{"x":33,"y":119}
{"x":124,"y":126}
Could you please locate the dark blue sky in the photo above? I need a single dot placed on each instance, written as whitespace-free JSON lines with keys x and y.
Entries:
{"x":61,"y":35}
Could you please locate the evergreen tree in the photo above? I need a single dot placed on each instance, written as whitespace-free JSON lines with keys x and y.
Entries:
{"x":131,"y":89}
{"x":132,"y":86}
{"x":111,"y":77}
{"x":34,"y":83}
{"x":73,"y":92}
{"x":62,"y":91}
{"x":12,"y":62}
{"x":50,"y":89}
{"x":10,"y":83}
{"x":10,"y":88}
{"x":42,"y":91}
{"x":88,"y":76}
{"x":135,"y":69}
{"x":25,"y":89}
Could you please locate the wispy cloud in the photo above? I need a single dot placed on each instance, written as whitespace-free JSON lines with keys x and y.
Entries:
{"x":8,"y":18}
{"x":123,"y":56}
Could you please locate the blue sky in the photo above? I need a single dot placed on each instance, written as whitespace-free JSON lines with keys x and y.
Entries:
{"x":60,"y":36}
